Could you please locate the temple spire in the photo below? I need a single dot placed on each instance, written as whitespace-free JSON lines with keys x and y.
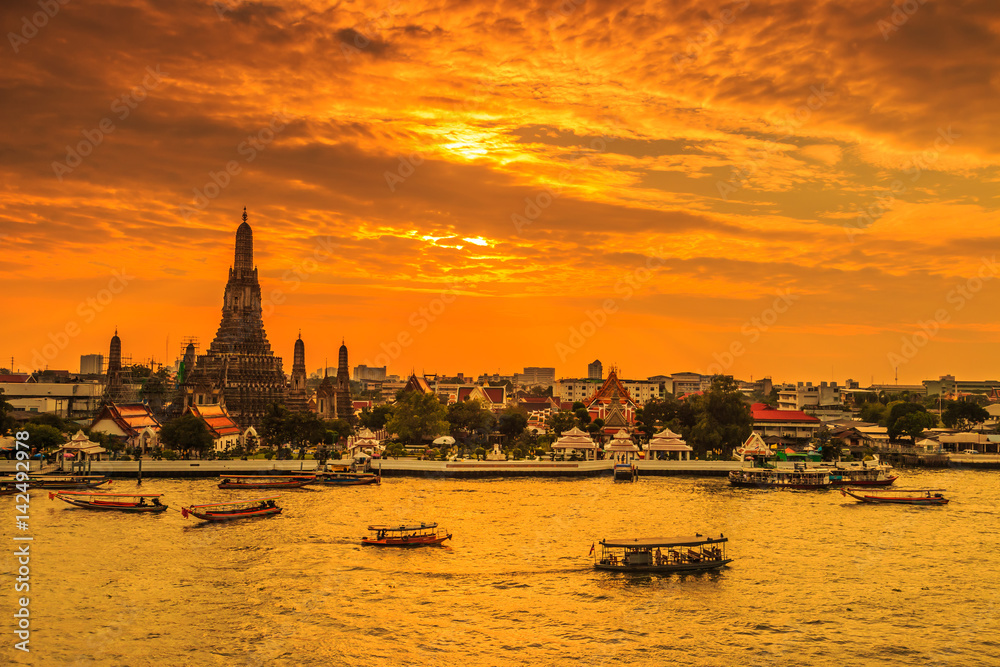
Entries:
{"x":243,"y":260}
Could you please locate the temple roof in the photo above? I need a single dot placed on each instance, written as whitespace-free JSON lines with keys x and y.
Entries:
{"x":216,"y":419}
{"x":612,"y":391}
{"x":132,"y":418}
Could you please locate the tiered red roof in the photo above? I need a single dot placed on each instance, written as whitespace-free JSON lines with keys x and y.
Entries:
{"x":761,"y":412}
{"x":131,"y":418}
{"x":216,"y":419}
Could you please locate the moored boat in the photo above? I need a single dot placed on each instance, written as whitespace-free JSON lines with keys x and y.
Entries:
{"x":258,"y":482}
{"x":897,"y":496}
{"x":861,"y":477}
{"x":231,"y":511}
{"x":419,"y":535}
{"x":121,"y":502}
{"x":662,"y":554}
{"x":8,"y":487}
{"x":67,"y":481}
{"x":347,"y":478}
{"x":777,"y":478}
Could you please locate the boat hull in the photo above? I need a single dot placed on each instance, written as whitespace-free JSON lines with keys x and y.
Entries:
{"x":117,"y":507}
{"x":345,"y":481}
{"x":38,"y":483}
{"x":232,"y":516}
{"x":664,"y":569}
{"x":266,"y":485}
{"x":429,"y":541}
{"x":774,"y":485}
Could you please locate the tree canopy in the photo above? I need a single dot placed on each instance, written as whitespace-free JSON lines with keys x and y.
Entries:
{"x":469,"y":419}
{"x":898,"y":410}
{"x":417,"y":416}
{"x":185,"y":434}
{"x":375,"y":417}
{"x":963,"y":415}
{"x":723,"y":418}
{"x":512,"y":422}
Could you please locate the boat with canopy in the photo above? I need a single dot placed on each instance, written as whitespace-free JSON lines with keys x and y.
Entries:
{"x":662,"y":554}
{"x":347,"y":478}
{"x":122,"y":502}
{"x":259,"y":482}
{"x":245,"y":509}
{"x":926,"y":497}
{"x":777,"y":478}
{"x":418,"y":535}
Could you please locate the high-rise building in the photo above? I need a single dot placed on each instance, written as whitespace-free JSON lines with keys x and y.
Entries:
{"x":362,"y":373}
{"x":91,"y":364}
{"x":536,"y":376}
{"x":239,"y":369}
{"x":595,"y":371}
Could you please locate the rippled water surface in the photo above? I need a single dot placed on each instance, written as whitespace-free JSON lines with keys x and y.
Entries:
{"x":816,"y":580}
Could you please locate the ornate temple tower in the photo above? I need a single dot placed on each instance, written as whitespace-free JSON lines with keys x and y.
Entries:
{"x":345,"y":406}
{"x":297,"y":400}
{"x":326,"y":398}
{"x":239,"y":369}
{"x":114,"y":386}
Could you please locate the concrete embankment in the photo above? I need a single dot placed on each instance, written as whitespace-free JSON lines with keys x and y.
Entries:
{"x":399,"y":468}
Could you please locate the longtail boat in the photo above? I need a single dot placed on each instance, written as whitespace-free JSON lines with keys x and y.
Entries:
{"x":897,"y":496}
{"x":256,"y":482}
{"x":8,"y":487}
{"x":67,"y":481}
{"x":419,"y":535}
{"x":121,"y":502}
{"x":231,"y":511}
{"x":662,"y":554}
{"x":347,"y":478}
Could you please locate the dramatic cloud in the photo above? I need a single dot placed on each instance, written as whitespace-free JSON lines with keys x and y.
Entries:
{"x":534,"y":161}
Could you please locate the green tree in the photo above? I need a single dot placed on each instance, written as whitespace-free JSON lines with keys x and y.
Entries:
{"x":417,"y":416}
{"x":963,"y":415}
{"x":273,"y":427}
{"x":897,"y":410}
{"x":723,"y":418}
{"x":375,"y":418}
{"x":538,"y":391}
{"x":561,"y":421}
{"x":43,"y":438}
{"x":185,"y":434}
{"x":873,"y":412}
{"x":7,"y":422}
{"x":470,"y":421}
{"x":913,"y":424}
{"x":512,"y":422}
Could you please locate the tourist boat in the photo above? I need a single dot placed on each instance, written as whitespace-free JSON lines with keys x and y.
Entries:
{"x":778,"y":478}
{"x":419,"y":535}
{"x":231,"y":511}
{"x":347,"y":478}
{"x":897,"y":496}
{"x":67,"y":481}
{"x":122,"y":502}
{"x":861,"y":477}
{"x":257,"y":482}
{"x":626,"y":472}
{"x":662,"y":554}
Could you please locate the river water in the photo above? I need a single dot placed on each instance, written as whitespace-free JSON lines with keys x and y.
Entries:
{"x":816,"y":580}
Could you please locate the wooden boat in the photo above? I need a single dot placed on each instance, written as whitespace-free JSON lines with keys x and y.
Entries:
{"x":626,"y":472}
{"x":778,"y":478}
{"x":124,"y":502}
{"x":419,"y":535}
{"x":257,"y":482}
{"x":9,"y":488}
{"x":67,"y":481}
{"x":231,"y":511}
{"x":662,"y":554}
{"x":897,"y":496}
{"x":347,"y":478}
{"x":861,"y":477}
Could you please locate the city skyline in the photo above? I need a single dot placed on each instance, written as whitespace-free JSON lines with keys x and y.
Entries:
{"x":795,"y":191}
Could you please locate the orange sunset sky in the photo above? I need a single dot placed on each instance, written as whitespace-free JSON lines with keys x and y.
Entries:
{"x":801,"y":183}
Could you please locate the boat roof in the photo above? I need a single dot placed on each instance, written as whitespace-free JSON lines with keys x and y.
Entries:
{"x":416,"y":526}
{"x":868,"y":489}
{"x":286,"y":478}
{"x":691,"y":541}
{"x":64,"y":477}
{"x":88,"y":494}
{"x":236,"y":502}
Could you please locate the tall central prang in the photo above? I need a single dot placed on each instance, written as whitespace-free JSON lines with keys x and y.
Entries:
{"x":239,"y":369}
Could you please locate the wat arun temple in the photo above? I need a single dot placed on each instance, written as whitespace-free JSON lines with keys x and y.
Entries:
{"x":240,"y":370}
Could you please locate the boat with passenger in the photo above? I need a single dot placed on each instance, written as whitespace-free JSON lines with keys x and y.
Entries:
{"x":122,"y":502}
{"x":246,"y":509}
{"x":662,"y":554}
{"x":67,"y":481}
{"x":861,"y":477}
{"x":260,"y":482}
{"x":800,"y":477}
{"x":926,"y":497}
{"x":417,"y":535}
